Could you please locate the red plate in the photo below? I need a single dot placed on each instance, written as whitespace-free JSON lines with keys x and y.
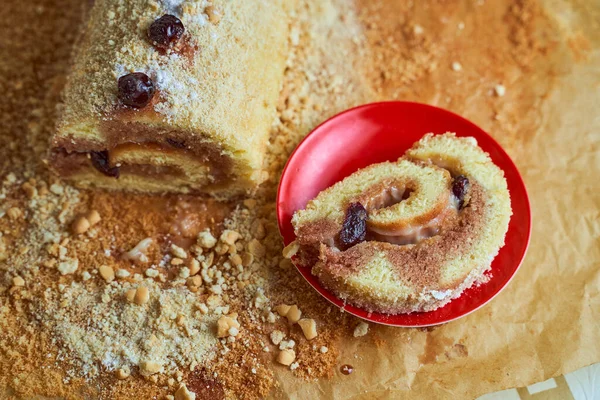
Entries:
{"x":380,"y":132}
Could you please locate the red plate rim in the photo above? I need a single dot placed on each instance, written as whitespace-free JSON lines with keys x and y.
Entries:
{"x":515,"y":182}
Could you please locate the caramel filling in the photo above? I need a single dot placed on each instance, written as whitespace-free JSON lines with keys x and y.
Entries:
{"x":413,"y":232}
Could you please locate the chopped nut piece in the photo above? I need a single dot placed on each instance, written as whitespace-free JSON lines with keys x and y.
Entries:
{"x":29,"y":189}
{"x":276,"y":337}
{"x":178,"y":251}
{"x":232,"y":249}
{"x":247,"y":259}
{"x":293,"y":314}
{"x":285,"y":263}
{"x":258,"y":229}
{"x":194,"y":266}
{"x":291,"y":249}
{"x":309,"y":328}
{"x":294,"y":366}
{"x":221,"y":249}
{"x":57,"y":189}
{"x":194,"y":281}
{"x":149,"y":367}
{"x":130,"y":295}
{"x":224,"y":324}
{"x":235,"y":259}
{"x":123,"y":372}
{"x":80,"y":225}
{"x":176,"y":261}
{"x":93,"y":217}
{"x":18,"y":281}
{"x":255,"y":248}
{"x":68,"y":266}
{"x":107,"y":273}
{"x":287,"y":344}
{"x":206,"y":240}
{"x":14,"y":213}
{"x":184,"y":394}
{"x":361,"y":329}
{"x":250,"y":203}
{"x":208,"y":260}
{"x":286,"y":357}
{"x":122,"y":273}
{"x":229,"y":236}
{"x":142,"y":295}
{"x":138,"y":253}
{"x":283,"y":309}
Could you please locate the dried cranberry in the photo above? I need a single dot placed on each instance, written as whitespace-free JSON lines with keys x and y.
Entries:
{"x":101,"y":163}
{"x":136,"y":89}
{"x":165,"y":31}
{"x":459,"y":188}
{"x":176,"y":143}
{"x":354,"y":228}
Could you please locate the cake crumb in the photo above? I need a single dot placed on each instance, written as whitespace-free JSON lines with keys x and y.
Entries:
{"x":500,"y":90}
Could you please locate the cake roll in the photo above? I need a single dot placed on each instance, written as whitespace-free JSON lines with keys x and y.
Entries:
{"x":408,"y":236}
{"x":173,"y":96}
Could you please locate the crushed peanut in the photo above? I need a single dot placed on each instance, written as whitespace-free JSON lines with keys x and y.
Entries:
{"x":293,"y":314}
{"x":178,"y":252}
{"x":123,"y":373}
{"x":14,"y":213}
{"x":80,"y":225}
{"x":286,"y":357}
{"x":309,"y":328}
{"x":184,"y":394}
{"x":361,"y":329}
{"x":18,"y":281}
{"x":107,"y":273}
{"x":206,"y":240}
{"x":176,"y":261}
{"x":291,"y":249}
{"x":142,"y":295}
{"x":283,"y":309}
{"x":138,"y":253}
{"x":229,"y":237}
{"x":149,"y":367}
{"x":255,"y":248}
{"x":194,"y":266}
{"x":224,"y":324}
{"x":93,"y":217}
{"x":247,"y":259}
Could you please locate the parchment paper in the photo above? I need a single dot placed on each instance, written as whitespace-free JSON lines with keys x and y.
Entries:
{"x":545,"y":323}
